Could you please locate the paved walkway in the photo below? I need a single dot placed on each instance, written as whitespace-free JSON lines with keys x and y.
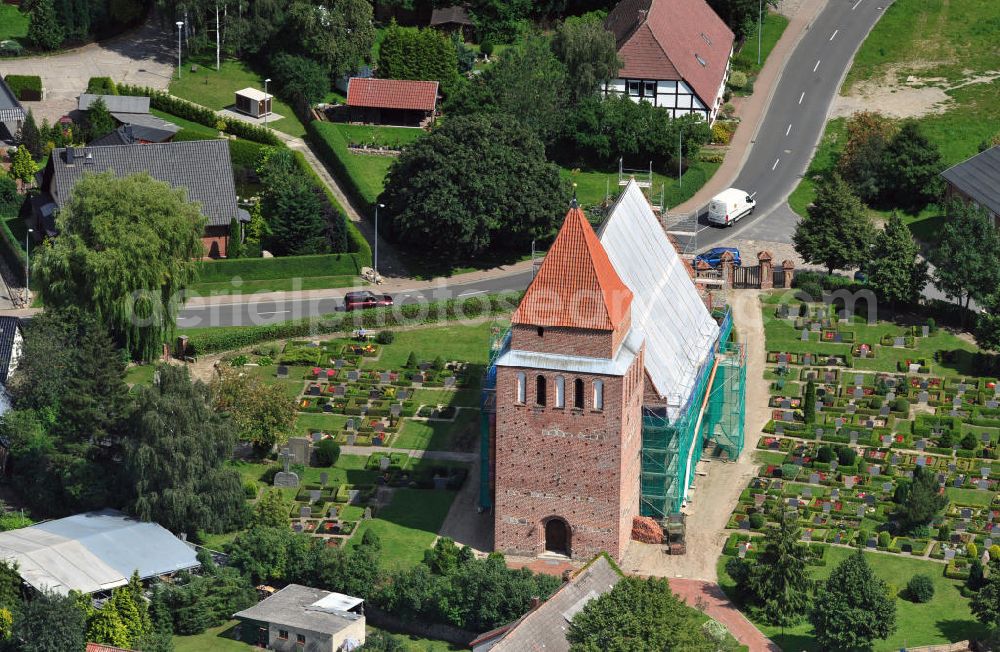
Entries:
{"x":752,"y":110}
{"x":708,"y":597}
{"x":442,"y":456}
{"x":144,"y":56}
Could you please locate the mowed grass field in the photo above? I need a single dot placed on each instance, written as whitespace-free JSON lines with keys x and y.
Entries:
{"x":946,"y":618}
{"x":13,"y":24}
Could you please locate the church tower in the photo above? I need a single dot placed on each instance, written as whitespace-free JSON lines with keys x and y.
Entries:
{"x":568,"y":398}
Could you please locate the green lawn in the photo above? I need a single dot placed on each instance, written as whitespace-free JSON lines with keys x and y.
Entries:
{"x":225,"y":288}
{"x":459,"y":434}
{"x":216,"y":639}
{"x":454,"y":342}
{"x":371,"y":135}
{"x":946,"y":618}
{"x":592,"y":185}
{"x":141,"y":374}
{"x":970,"y":496}
{"x":216,"y":89}
{"x":13,"y":24}
{"x":187,"y":126}
{"x":408,"y":525}
{"x":746,"y":58}
{"x":823,"y":163}
{"x":416,"y":644}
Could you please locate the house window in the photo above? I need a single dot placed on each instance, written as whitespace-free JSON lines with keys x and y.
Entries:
{"x":560,"y":392}
{"x":598,"y":394}
{"x":649,"y":89}
{"x":633,"y":88}
{"x":540,"y":389}
{"x":578,"y":394}
{"x":300,"y":639}
{"x":283,"y":634}
{"x":521,"y":386}
{"x":541,"y":332}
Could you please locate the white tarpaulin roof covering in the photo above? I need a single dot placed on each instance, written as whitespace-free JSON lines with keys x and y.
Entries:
{"x":666,"y":309}
{"x":93,"y":552}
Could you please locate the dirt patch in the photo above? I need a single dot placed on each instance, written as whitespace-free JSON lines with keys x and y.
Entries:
{"x":911,"y":97}
{"x":788,"y":8}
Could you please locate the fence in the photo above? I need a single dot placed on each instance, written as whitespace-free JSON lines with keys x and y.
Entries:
{"x":762,"y":276}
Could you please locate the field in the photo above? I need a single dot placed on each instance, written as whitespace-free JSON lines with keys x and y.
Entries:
{"x":216,"y":89}
{"x":13,"y":24}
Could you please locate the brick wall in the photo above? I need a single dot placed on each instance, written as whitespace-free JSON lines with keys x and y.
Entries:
{"x":580,"y":465}
{"x":564,"y":341}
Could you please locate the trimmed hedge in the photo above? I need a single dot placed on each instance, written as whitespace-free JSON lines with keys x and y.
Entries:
{"x":27,"y":88}
{"x":244,"y":153}
{"x":102,"y":86}
{"x":202,"y":115}
{"x":330,"y":146}
{"x":225,"y":339}
{"x":266,"y":269}
{"x":355,"y":241}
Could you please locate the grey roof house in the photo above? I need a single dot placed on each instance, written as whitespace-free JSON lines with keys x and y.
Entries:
{"x":977,"y":180}
{"x":12,"y":114}
{"x":202,"y":167}
{"x":304,"y":619}
{"x":544,"y":627}
{"x":136,"y":123}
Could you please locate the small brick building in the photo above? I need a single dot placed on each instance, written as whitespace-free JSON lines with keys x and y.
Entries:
{"x":610,"y":329}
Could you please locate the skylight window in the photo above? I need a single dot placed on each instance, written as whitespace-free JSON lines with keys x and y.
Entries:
{"x":706,"y":39}
{"x":700,"y":60}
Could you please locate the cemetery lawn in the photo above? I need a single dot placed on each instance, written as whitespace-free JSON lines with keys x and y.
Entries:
{"x":946,"y":618}
{"x":216,"y":89}
{"x":459,"y":434}
{"x":215,"y":639}
{"x":467,"y":343}
{"x":969,"y":496}
{"x":408,"y":525}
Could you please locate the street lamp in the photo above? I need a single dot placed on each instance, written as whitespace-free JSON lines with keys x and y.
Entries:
{"x":267,"y":102}
{"x":180,"y":24}
{"x":680,"y":156}
{"x":27,"y":264}
{"x":377,"y":206}
{"x":760,"y":13}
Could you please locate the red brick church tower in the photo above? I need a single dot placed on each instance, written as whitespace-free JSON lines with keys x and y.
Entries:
{"x":569,"y":398}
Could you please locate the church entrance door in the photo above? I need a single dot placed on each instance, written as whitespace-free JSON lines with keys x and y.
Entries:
{"x":557,"y":536}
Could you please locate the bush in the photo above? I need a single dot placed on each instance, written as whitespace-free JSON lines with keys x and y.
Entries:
{"x":385,"y":337}
{"x":884,"y":538}
{"x":973,"y":550}
{"x":327,"y":452}
{"x":486,"y":47}
{"x":243,"y":153}
{"x":757,"y":520}
{"x":102,"y":86}
{"x":812,"y":290}
{"x":722,"y":133}
{"x":846,"y":456}
{"x":301,"y":80}
{"x":901,"y":405}
{"x":11,"y":48}
{"x":920,"y":588}
{"x":737,"y":79}
{"x":824,"y":454}
{"x":969,"y":441}
{"x":27,"y":88}
{"x":944,"y":532}
{"x":261,"y":269}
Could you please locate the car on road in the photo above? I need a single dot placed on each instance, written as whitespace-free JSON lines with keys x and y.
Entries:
{"x":365,"y":299}
{"x":714,"y":256}
{"x":730,"y":206}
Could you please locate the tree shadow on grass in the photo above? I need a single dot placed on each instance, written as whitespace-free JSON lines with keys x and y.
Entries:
{"x":960,"y":630}
{"x":795,"y":642}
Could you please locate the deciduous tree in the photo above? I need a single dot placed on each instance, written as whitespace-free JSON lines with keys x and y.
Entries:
{"x":271,"y":510}
{"x":986,"y":603}
{"x":300,"y":79}
{"x":836,"y":231}
{"x":22,"y":166}
{"x":967,"y":255}
{"x":124,"y":253}
{"x":912,"y":167}
{"x":862,"y":161}
{"x":339,"y":34}
{"x":263,"y":413}
{"x":853,"y":609}
{"x":588,"y":52}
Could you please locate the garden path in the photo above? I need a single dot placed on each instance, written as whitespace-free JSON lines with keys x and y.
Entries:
{"x":442,"y":456}
{"x":709,"y":598}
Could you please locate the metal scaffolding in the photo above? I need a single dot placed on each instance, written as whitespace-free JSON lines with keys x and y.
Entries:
{"x":499,"y":341}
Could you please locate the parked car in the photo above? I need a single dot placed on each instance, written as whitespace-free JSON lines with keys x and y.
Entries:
{"x":365,"y":299}
{"x":730,"y":206}
{"x":714,"y":256}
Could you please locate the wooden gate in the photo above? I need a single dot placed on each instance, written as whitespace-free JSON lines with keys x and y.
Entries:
{"x":746,"y":277}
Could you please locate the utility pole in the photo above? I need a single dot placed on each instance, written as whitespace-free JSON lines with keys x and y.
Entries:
{"x":377,"y":206}
{"x":180,"y":24}
{"x":680,"y":157}
{"x":218,"y":40}
{"x":760,"y":25}
{"x":267,"y":110}
{"x":27,"y":265}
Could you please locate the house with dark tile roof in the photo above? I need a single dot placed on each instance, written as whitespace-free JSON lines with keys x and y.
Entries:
{"x":12,"y":114}
{"x":392,"y":101}
{"x":135,"y":123}
{"x":676,"y":55}
{"x":977,"y":180}
{"x":202,"y":167}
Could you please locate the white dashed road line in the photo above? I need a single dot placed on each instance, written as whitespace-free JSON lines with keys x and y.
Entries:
{"x":834,"y":35}
{"x":469,"y":294}
{"x":789,"y":130}
{"x":856,"y":5}
{"x":816,"y":66}
{"x":802,"y":97}
{"x":773,"y":167}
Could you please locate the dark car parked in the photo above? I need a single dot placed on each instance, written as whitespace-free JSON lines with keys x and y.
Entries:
{"x":714,"y":256}
{"x":365,"y":299}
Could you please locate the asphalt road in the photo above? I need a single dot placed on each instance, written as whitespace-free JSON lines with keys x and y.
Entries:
{"x":794,"y":122}
{"x":236,"y":313}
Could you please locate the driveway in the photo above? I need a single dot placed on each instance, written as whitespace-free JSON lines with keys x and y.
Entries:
{"x":144,"y":57}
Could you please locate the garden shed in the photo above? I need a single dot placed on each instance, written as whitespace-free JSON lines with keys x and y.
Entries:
{"x":392,"y":101}
{"x":253,"y":102}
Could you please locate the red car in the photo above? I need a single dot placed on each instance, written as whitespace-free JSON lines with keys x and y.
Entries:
{"x":365,"y":299}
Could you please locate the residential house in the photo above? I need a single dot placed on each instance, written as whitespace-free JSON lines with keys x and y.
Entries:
{"x":202,"y":167}
{"x":676,"y":55}
{"x":12,"y":114}
{"x":453,"y":19}
{"x":392,"y":101}
{"x":977,"y":180}
{"x":304,"y":619}
{"x":544,"y":627}
{"x":135,"y":123}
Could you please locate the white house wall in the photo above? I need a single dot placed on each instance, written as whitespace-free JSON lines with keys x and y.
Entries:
{"x":672,"y":95}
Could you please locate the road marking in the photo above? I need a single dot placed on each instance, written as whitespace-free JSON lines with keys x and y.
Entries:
{"x":816,"y":66}
{"x":834,"y":35}
{"x":856,"y":5}
{"x":775,"y":164}
{"x":469,"y":294}
{"x":272,"y":312}
{"x":802,"y":97}
{"x":789,"y":130}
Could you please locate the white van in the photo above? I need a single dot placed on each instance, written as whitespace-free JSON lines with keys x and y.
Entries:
{"x":729,"y":206}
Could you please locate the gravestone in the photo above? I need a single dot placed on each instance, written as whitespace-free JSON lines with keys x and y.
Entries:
{"x":350,"y":425}
{"x":367,"y":516}
{"x":814,"y":478}
{"x":788,"y":416}
{"x":887,"y":487}
{"x":875,"y":470}
{"x":395,"y":410}
{"x":337,"y":364}
{"x":778,"y":430}
{"x":351,"y":438}
{"x":992,"y":405}
{"x":851,"y":408}
{"x":956,"y":401}
{"x":282,"y":371}
{"x":385,"y":377}
{"x":339,"y":390}
{"x":995,"y":531}
{"x":859,"y":393}
{"x":960,"y":387}
{"x":949,"y":554}
{"x":951,"y":467}
{"x":896,"y":459}
{"x":872,"y":542}
{"x":859,"y":379}
{"x":838,"y":338}
{"x":807,"y":492}
{"x":301,"y":449}
{"x":305,"y":512}
{"x":920,"y":445}
{"x":819,"y":406}
{"x":921,"y":460}
{"x":890,"y":396}
{"x":870,"y":500}
{"x":815,"y":326}
{"x":833,"y":465}
{"x":827,"y":507}
{"x":286,"y":478}
{"x":883,"y":411}
{"x":786,"y":404}
{"x":807,"y":535}
{"x":887,"y":440}
{"x":835,"y":494}
{"x":328,"y":407}
{"x":793,"y":502}
{"x":314,"y":495}
{"x":353,"y":376}
{"x":966,"y":512}
{"x":983,"y":485}
{"x":958,"y":482}
{"x":314,"y":390}
{"x":819,"y":431}
{"x":807,"y":359}
{"x":861,"y":511}
{"x":898,"y":341}
{"x":782,"y":358}
{"x":324,"y":477}
{"x":961,"y":526}
{"x":742,"y":552}
{"x":383,"y":463}
{"x":837,"y":538}
{"x":854,"y":436}
{"x":449,"y":382}
{"x":923,"y":397}
{"x":849,"y":481}
{"x":925,"y":330}
{"x":332,"y":513}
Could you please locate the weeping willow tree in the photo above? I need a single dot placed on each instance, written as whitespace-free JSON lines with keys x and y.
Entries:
{"x":124,"y":253}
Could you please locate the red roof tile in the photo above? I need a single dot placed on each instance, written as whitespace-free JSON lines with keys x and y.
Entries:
{"x":392,"y":94}
{"x":664,"y":39}
{"x":576,"y":285}
{"x":98,"y":647}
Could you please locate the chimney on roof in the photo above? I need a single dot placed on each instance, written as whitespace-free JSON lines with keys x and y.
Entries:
{"x":88,"y":159}
{"x":69,"y":155}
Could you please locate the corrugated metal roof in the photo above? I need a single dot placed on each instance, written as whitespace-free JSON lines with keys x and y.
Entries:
{"x":576,"y":286}
{"x":392,"y":94}
{"x":94,"y":551}
{"x":667,"y":310}
{"x":116,"y":103}
{"x":979,"y":178}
